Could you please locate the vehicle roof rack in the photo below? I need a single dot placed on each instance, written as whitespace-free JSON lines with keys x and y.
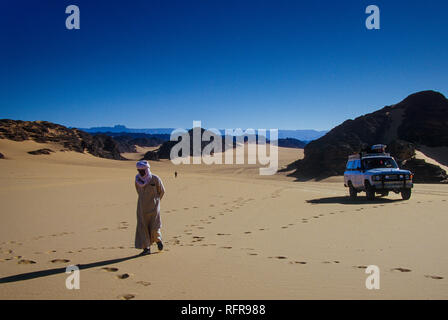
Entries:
{"x":375,"y":150}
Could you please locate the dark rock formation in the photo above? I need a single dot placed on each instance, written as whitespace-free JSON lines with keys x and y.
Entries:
{"x":2,"y":156}
{"x":71,"y":139}
{"x":41,"y":151}
{"x":420,"y":119}
{"x":291,"y":143}
{"x":401,"y":150}
{"x":425,"y":172}
{"x":127,"y":142}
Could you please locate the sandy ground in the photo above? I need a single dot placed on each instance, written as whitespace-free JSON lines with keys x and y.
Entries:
{"x":229,"y":233}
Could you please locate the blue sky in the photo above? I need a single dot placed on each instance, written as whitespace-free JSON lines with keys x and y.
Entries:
{"x":260,"y":64}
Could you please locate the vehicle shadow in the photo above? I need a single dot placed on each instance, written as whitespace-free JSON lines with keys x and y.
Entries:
{"x":49,"y":272}
{"x":347,"y":200}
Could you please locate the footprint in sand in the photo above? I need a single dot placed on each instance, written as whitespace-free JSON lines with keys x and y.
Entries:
{"x":226,"y":247}
{"x":253,"y":254}
{"x":281,"y":257}
{"x":126,"y":296}
{"x":60,"y":261}
{"x":25,"y":261}
{"x":247,"y":232}
{"x":360,"y":267}
{"x":434,"y":277}
{"x":144,"y":283}
{"x":300,"y":262}
{"x":123,"y":276}
{"x":109,"y":269}
{"x":223,"y":234}
{"x":401,"y":269}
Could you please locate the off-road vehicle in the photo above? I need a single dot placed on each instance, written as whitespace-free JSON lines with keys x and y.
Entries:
{"x":376,"y":172}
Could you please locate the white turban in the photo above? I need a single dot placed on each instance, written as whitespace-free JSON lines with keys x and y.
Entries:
{"x":143,"y":180}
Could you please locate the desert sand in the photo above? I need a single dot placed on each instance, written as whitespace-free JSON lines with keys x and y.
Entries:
{"x":229,"y":233}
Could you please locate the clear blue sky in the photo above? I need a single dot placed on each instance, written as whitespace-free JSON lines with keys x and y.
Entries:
{"x":230,"y":63}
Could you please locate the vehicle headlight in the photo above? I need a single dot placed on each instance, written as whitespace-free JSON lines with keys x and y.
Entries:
{"x":376,"y":178}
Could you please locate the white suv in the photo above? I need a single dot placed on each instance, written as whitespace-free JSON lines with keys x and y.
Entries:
{"x":376,"y":172}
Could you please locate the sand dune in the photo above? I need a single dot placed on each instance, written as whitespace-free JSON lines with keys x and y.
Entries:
{"x":229,"y":233}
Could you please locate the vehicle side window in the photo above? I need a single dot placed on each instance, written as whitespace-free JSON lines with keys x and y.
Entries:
{"x":349,"y":165}
{"x":357,"y":165}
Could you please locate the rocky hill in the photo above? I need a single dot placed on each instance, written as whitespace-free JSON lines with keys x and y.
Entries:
{"x":419,"y":120}
{"x":291,"y":143}
{"x":127,"y":142}
{"x":70,"y":139}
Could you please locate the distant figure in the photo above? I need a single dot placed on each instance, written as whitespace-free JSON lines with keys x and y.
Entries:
{"x":150,"y":191}
{"x":175,"y":174}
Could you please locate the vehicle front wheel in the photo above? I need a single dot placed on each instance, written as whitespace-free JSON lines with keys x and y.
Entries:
{"x":406,"y":194}
{"x":370,"y":191}
{"x":352,"y":190}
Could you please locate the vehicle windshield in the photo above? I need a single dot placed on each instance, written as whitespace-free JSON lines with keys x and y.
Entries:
{"x":373,"y":163}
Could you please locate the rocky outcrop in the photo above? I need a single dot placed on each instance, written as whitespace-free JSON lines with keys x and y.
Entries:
{"x":291,"y":143}
{"x":2,"y":156}
{"x":401,"y":150}
{"x":164,"y":151}
{"x":425,"y":172}
{"x":71,"y":139}
{"x":41,"y":151}
{"x":421,"y":118}
{"x":151,"y":155}
{"x":127,"y":144}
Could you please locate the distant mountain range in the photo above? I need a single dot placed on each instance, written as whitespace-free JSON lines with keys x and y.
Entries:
{"x":303,"y":135}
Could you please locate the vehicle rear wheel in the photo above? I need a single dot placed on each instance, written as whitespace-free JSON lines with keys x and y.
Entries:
{"x":406,"y":194}
{"x":370,"y":191}
{"x":352,"y":190}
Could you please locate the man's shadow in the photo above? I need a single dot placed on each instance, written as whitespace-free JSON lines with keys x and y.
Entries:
{"x":347,"y":200}
{"x":49,"y":272}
